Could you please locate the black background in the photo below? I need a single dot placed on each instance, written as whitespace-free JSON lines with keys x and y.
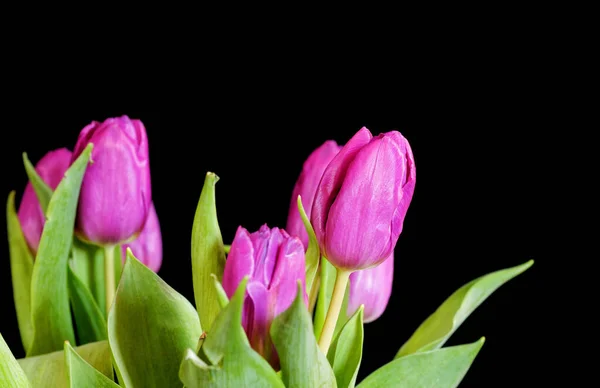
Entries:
{"x":477,"y":200}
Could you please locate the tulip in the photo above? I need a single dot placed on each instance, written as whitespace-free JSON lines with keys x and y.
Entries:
{"x":274,"y":262}
{"x":306,"y":187}
{"x":359,"y":209}
{"x":372,"y":288}
{"x":115,"y":195}
{"x":51,"y":168}
{"x":362,"y":199}
{"x":147,"y":247}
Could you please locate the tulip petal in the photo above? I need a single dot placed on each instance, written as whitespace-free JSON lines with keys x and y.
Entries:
{"x":148,"y":245}
{"x":289,"y":269}
{"x":306,"y":187}
{"x":266,"y":244}
{"x":258,"y":314}
{"x":359,"y":224}
{"x":371,"y":287}
{"x":240,"y":261}
{"x":332,"y":180}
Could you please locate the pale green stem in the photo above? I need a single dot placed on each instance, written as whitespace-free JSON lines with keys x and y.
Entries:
{"x":109,"y":275}
{"x":337,"y":299}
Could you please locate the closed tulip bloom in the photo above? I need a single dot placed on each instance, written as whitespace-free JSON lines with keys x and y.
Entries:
{"x":362,"y":199}
{"x":274,"y":262}
{"x":372,"y":288}
{"x":51,"y":168}
{"x":306,"y":187}
{"x":115,"y":194}
{"x":147,"y":247}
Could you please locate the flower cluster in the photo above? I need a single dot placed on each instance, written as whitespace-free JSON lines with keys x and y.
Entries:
{"x":275,"y":308}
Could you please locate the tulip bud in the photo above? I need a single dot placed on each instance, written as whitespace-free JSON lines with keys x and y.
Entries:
{"x":274,"y":262}
{"x":306,"y":186}
{"x":371,"y":287}
{"x":115,"y":195}
{"x":147,"y":247}
{"x":51,"y":168}
{"x":362,"y":199}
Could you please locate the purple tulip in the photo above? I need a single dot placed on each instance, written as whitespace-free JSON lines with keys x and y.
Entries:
{"x":306,"y":187}
{"x":371,"y":287}
{"x":147,"y":247}
{"x":51,"y":168}
{"x":274,"y":262}
{"x":115,"y":194}
{"x":362,"y":199}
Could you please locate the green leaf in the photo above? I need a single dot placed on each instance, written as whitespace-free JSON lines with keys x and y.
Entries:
{"x":49,"y":370}
{"x":150,"y":326}
{"x":328,"y":274}
{"x":88,"y":264}
{"x":43,"y":192}
{"x":302,"y":362}
{"x":229,"y":359}
{"x":82,"y":374}
{"x":345,"y":353}
{"x":11,"y":374}
{"x":208,"y":254}
{"x":442,"y":368}
{"x":221,"y":294}
{"x":435,"y":330}
{"x":90,"y":322}
{"x":21,"y":267}
{"x":313,"y":253}
{"x":50,"y":310}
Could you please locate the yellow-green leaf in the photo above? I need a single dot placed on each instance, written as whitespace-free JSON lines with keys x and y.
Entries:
{"x":435,"y":330}
{"x":208,"y":253}
{"x":21,"y":267}
{"x":50,"y":310}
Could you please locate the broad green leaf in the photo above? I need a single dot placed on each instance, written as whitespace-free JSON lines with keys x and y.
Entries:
{"x":88,"y":264}
{"x":90,"y":322}
{"x":82,"y":374}
{"x":43,"y":192}
{"x":11,"y":374}
{"x":302,"y":362}
{"x":150,"y":326}
{"x":50,"y":310}
{"x":208,"y":254}
{"x":345,"y":353}
{"x":313,"y":253}
{"x":442,"y":368}
{"x":229,"y":359}
{"x":435,"y":330}
{"x":21,"y":267}
{"x":328,"y":274}
{"x":49,"y":370}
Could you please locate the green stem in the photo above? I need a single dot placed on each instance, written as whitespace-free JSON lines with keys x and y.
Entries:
{"x":337,"y":299}
{"x":109,"y":275}
{"x":314,"y":291}
{"x":227,"y":248}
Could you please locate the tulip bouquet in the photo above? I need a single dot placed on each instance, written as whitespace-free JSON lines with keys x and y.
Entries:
{"x":276,"y":308}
